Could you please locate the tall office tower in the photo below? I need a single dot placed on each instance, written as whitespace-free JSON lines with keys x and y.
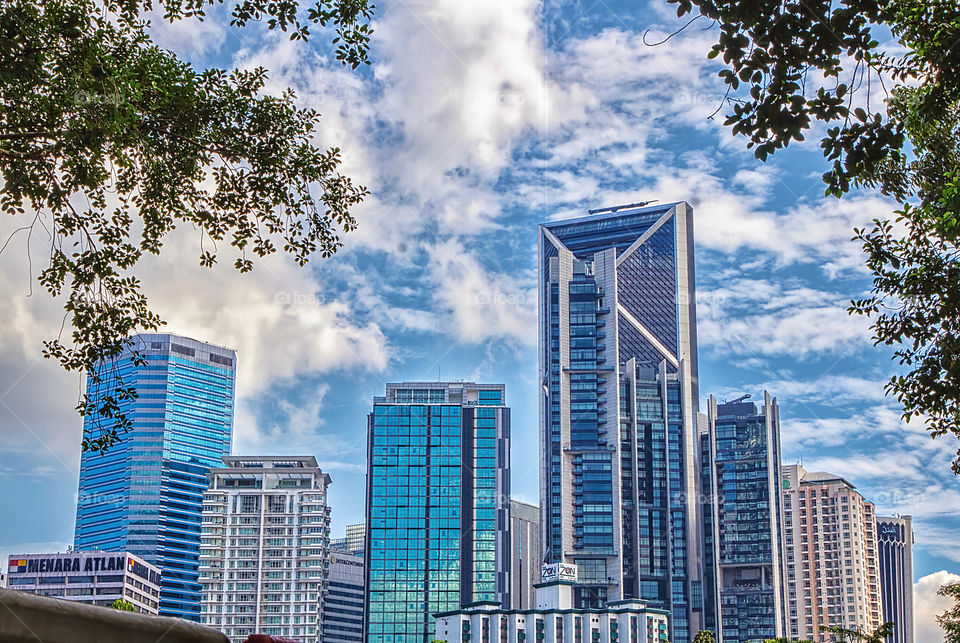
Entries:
{"x":438,"y":481}
{"x":618,"y":410}
{"x":343,"y":605}
{"x":264,"y":547}
{"x":895,"y":556}
{"x":744,"y":524}
{"x":832,"y":576}
{"x":525,"y":553}
{"x":144,"y":494}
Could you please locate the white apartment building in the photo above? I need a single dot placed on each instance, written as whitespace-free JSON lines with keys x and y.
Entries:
{"x":264,"y":547}
{"x":555,"y":619}
{"x":831,"y":562}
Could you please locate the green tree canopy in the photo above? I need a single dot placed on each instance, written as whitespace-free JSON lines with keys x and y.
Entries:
{"x":893,"y":124}
{"x":950,"y":620}
{"x":109,"y":142}
{"x":123,"y":605}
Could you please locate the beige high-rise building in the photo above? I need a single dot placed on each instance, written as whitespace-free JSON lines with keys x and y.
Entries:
{"x":831,"y":567}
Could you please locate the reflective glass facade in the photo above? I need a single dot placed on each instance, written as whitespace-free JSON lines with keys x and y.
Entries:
{"x":744,"y":525}
{"x":438,"y":491}
{"x":618,"y":409}
{"x":144,"y":495}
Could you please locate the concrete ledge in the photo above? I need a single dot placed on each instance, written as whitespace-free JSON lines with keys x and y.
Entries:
{"x":28,"y":618}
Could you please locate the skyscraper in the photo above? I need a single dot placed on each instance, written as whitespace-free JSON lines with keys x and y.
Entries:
{"x":264,"y":547}
{"x":618,"y":409}
{"x":144,"y":494}
{"x":744,"y":526}
{"x":832,"y":576}
{"x":438,"y":484}
{"x":525,"y":554}
{"x":895,"y":556}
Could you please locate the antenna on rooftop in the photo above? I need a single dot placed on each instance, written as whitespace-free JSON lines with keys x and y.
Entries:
{"x":617,"y":208}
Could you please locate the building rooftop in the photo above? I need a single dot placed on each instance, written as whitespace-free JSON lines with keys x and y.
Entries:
{"x":144,"y":338}
{"x":823,"y":477}
{"x":657,"y":209}
{"x":440,"y":392}
{"x":271,"y":462}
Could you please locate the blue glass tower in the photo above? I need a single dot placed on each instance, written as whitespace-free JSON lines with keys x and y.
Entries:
{"x":145,"y":494}
{"x":744,"y":526}
{"x":438,"y":489}
{"x":618,"y":408}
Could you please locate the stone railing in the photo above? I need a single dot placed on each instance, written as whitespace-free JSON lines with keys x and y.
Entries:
{"x":29,"y":618}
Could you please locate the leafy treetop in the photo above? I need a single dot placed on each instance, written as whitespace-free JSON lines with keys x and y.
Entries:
{"x":892,"y":124}
{"x":108,"y":142}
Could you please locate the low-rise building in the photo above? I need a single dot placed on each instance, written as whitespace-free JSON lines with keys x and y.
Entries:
{"x":92,"y":577}
{"x":555,"y":619}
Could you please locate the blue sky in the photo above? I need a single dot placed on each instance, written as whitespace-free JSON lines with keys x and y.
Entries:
{"x":474,"y":122}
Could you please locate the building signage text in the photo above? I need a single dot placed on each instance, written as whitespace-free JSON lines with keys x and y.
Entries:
{"x":558,"y":571}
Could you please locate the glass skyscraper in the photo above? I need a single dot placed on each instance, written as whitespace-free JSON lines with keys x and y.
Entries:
{"x":144,"y":495}
{"x":744,"y":524}
{"x":438,"y":489}
{"x":618,"y":408}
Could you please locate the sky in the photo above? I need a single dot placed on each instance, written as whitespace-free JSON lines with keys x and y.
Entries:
{"x":474,"y":122}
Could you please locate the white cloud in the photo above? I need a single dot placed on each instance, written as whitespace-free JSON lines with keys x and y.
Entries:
{"x":483,"y":305}
{"x":809,"y":430}
{"x":833,"y":389}
{"x":273,"y":317}
{"x":455,"y":84}
{"x":928,"y":605}
{"x":191,"y":38}
{"x":756,"y":318}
